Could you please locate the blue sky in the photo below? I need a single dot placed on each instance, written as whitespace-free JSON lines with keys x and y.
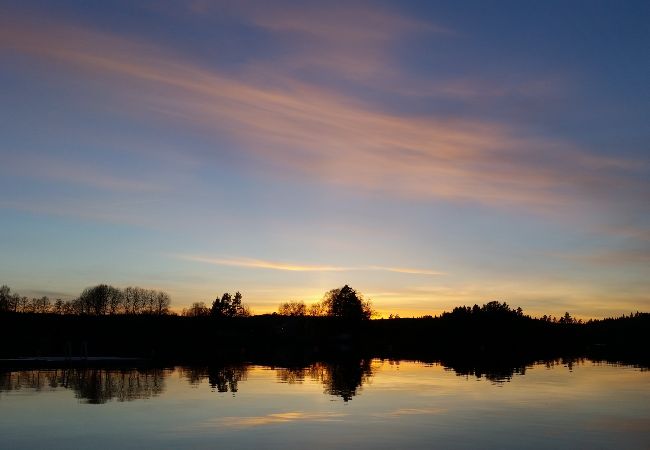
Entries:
{"x":429,"y":154}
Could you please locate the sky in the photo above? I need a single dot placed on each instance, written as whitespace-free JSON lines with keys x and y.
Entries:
{"x":429,"y":154}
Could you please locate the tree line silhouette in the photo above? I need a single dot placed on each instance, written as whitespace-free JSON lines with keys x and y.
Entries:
{"x":95,"y":301}
{"x":137,"y":322}
{"x":343,"y":302}
{"x":225,"y":306}
{"x":104,"y":299}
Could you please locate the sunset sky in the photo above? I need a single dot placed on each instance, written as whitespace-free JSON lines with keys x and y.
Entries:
{"x":430,"y":154}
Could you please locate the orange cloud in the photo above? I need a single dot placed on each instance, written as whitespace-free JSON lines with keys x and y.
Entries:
{"x":272,"y":265}
{"x":407,"y":270}
{"x":261,"y":264}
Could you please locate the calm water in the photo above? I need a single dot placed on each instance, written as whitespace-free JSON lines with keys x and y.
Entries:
{"x":360,"y":404}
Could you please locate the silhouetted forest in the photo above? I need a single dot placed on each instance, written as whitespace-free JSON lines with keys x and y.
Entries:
{"x":93,"y":301}
{"x":109,"y":324}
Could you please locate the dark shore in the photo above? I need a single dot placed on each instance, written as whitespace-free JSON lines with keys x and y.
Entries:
{"x":286,"y":340}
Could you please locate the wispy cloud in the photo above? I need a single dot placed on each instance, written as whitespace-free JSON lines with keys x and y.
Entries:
{"x":338,"y":21}
{"x":122,"y":213}
{"x":405,"y":270}
{"x":293,"y":267}
{"x":292,"y":127}
{"x":614,"y":257}
{"x":74,"y":172}
{"x":352,"y":40}
{"x":348,"y":40}
{"x":262,"y":264}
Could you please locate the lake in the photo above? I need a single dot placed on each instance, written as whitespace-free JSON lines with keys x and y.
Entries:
{"x":370,"y":404}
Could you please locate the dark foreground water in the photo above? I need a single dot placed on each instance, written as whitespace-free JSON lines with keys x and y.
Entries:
{"x":354,"y":404}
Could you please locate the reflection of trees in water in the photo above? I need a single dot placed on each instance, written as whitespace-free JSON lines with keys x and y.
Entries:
{"x":495,"y":374}
{"x":569,"y":363}
{"x":500,"y":372}
{"x":291,"y":375}
{"x":221,"y":379}
{"x":342,"y":378}
{"x":90,"y":385}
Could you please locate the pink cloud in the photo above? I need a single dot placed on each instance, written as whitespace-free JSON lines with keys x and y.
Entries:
{"x":293,"y":128}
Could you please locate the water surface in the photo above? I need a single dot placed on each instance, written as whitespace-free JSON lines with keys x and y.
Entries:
{"x":361,"y":404}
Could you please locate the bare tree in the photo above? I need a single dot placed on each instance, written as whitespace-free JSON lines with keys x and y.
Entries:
{"x":95,"y":300}
{"x":163,"y":301}
{"x":69,"y":307}
{"x":8,"y":301}
{"x":22,"y":304}
{"x":198,"y":309}
{"x":135,"y":300}
{"x":317,"y":309}
{"x":40,"y":305}
{"x":5,"y":297}
{"x":58,"y":307}
{"x":292,"y":308}
{"x":115,"y":301}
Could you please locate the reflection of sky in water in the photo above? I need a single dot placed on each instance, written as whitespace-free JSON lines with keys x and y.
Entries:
{"x":390,"y":405}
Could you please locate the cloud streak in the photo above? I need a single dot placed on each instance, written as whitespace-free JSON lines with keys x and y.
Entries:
{"x":288,"y":126}
{"x":614,"y":257}
{"x":351,"y":41}
{"x":72,"y":172}
{"x":262,"y":264}
{"x":291,"y":267}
